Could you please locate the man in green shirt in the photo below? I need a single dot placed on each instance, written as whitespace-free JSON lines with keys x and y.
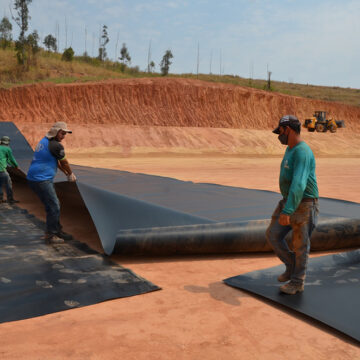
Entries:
{"x":6,"y":159}
{"x":298,"y":210}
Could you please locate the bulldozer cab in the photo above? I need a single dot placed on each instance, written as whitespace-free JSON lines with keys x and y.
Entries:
{"x":320,"y":116}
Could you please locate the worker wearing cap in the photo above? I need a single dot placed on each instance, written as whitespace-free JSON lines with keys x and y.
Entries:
{"x":48,"y":156}
{"x":298,"y":210}
{"x":6,"y":159}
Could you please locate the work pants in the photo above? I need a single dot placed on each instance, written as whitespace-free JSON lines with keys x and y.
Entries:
{"x":6,"y":180}
{"x":295,"y":254}
{"x":46,"y":192}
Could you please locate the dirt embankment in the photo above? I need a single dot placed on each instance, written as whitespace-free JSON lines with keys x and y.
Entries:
{"x":138,"y":115}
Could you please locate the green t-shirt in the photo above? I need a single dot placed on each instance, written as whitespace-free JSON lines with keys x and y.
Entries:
{"x":6,"y":158}
{"x":297,"y":176}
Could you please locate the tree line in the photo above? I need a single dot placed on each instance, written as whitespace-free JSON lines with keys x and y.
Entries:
{"x":27,"y":45}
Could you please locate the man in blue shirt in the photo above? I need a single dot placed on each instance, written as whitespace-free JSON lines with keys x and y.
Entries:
{"x":298,"y":210}
{"x":48,"y":156}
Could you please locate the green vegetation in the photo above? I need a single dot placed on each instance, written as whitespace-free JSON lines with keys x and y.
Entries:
{"x":348,"y":96}
{"x":50,"y":68}
{"x":26,"y":47}
{"x":50,"y":43}
{"x":165,"y":63}
{"x":68,"y":54}
{"x":125,"y":57}
{"x":5,"y":33}
{"x":24,"y":62}
{"x":103,"y":42}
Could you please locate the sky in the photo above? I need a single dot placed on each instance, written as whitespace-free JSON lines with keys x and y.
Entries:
{"x":300,"y":41}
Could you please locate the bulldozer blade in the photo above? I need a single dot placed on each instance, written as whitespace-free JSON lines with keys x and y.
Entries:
{"x":340,"y":123}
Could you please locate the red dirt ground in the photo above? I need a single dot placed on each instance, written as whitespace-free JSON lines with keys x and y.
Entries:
{"x":147,"y":103}
{"x":190,"y":130}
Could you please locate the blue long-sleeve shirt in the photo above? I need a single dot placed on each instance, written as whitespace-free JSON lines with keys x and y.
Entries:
{"x":297,"y":176}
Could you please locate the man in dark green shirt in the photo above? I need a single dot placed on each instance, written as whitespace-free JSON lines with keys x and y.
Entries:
{"x":298,"y":210}
{"x":6,"y":159}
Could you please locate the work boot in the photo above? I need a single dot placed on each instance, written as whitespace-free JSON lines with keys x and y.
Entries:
{"x":285,"y":276}
{"x":292,"y":288}
{"x":53,"y":239}
{"x":13,"y":201}
{"x":63,"y":235}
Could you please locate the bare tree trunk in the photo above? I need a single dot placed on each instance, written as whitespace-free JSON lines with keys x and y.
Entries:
{"x":85,"y":41}
{"x":116,"y":46}
{"x":197,"y":65}
{"x":66,"y":29}
{"x":149,"y":57}
{"x":220,"y":62}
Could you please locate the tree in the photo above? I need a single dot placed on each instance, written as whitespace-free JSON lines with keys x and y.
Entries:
{"x":31,"y":48}
{"x":27,"y":50}
{"x":50,"y":42}
{"x":23,"y":17}
{"x":165,"y":62}
{"x":103,"y":42}
{"x":125,"y":56}
{"x":68,"y":54}
{"x":5,"y":33}
{"x":22,"y":20}
{"x":152,"y":66}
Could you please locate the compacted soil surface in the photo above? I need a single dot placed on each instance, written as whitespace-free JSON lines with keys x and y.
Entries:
{"x":193,"y":131}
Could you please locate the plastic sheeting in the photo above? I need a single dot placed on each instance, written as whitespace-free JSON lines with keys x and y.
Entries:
{"x":331,"y":295}
{"x":140,"y":214}
{"x":37,"y":279}
{"x":235,"y":237}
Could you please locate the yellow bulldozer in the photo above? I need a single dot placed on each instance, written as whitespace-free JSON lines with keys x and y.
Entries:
{"x":319,"y":123}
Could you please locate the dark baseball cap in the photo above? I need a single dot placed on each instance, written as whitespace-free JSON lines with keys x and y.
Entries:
{"x":288,"y":120}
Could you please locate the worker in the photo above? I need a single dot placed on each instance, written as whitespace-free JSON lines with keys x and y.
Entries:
{"x":298,"y":210}
{"x":6,"y":159}
{"x":48,"y":156}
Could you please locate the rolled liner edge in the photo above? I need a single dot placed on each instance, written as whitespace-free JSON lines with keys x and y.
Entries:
{"x":231,"y":237}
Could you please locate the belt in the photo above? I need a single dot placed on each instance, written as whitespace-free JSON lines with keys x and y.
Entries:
{"x":313,"y":200}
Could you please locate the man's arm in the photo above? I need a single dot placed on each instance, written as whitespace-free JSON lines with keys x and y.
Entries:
{"x":64,"y":166}
{"x":57,"y":150}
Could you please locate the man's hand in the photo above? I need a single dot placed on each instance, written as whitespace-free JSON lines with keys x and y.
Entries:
{"x":284,"y":219}
{"x":71,"y":177}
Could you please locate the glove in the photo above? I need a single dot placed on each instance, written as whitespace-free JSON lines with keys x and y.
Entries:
{"x":71,"y":177}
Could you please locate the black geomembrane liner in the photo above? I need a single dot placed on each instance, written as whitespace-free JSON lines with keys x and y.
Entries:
{"x":193,"y":215}
{"x":38,"y":279}
{"x":331,"y":295}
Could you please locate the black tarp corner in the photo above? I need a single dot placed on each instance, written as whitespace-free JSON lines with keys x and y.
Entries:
{"x":38,"y":279}
{"x":331,"y":295}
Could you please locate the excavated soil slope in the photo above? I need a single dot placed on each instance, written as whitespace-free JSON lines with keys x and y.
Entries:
{"x":162,"y":113}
